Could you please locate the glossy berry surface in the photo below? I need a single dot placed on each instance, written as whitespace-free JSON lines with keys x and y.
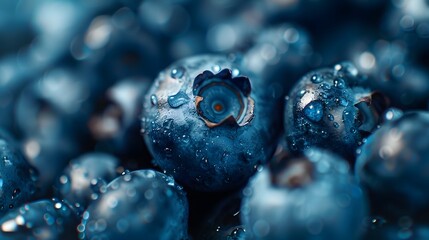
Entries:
{"x":314,"y":194}
{"x":331,"y":108}
{"x":140,"y":203}
{"x":43,"y":219}
{"x":393,"y":164}
{"x":17,"y":177}
{"x":208,"y":123}
{"x":82,"y":179}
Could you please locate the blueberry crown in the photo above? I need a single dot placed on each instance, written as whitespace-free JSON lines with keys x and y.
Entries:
{"x":221,"y":98}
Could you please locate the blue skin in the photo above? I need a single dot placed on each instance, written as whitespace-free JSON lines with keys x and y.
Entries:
{"x":17,"y":177}
{"x":177,"y":132}
{"x":43,"y":219}
{"x":312,"y":196}
{"x":392,"y":166}
{"x":82,"y":179}
{"x":330,"y":109}
{"x":140,"y":203}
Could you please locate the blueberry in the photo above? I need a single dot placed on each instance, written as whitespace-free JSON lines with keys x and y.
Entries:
{"x":311,"y":196}
{"x":17,"y":177}
{"x":330,"y":108}
{"x":392,"y":165}
{"x":140,"y":203}
{"x":208,"y":123}
{"x":43,"y":219}
{"x":82,"y":179}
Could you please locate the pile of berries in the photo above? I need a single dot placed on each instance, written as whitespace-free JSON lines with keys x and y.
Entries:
{"x":216,"y":120}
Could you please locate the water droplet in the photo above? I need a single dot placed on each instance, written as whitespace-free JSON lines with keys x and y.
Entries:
{"x":316,"y":78}
{"x":377,"y":222}
{"x":237,"y":234}
{"x":153,"y":99}
{"x":323,"y":95}
{"x":325,"y":86}
{"x":185,"y":138}
{"x":314,"y":111}
{"x":343,"y":102}
{"x":336,"y":125}
{"x":15,"y":193}
{"x":324,"y":134}
{"x":204,"y":163}
{"x":346,"y":68}
{"x":331,"y":117}
{"x":177,"y":72}
{"x":178,"y":100}
{"x":339,"y":83}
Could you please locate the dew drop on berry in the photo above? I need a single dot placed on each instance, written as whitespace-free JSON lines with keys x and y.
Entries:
{"x":316,"y":78}
{"x":153,"y":99}
{"x":177,"y":72}
{"x":314,"y":111}
{"x":178,"y":100}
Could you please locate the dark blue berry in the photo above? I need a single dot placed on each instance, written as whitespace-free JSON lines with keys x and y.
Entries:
{"x":43,"y":219}
{"x":330,"y":108}
{"x":312,"y":196}
{"x":211,"y":125}
{"x":82,"y":179}
{"x":392,"y":165}
{"x":140,"y":203}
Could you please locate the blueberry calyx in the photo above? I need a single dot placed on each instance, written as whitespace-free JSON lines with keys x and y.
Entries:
{"x":370,"y":110}
{"x":223,"y":99}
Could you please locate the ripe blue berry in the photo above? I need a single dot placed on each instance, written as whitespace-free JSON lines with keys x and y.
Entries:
{"x":140,"y":203}
{"x":82,"y":179}
{"x":392,"y":165}
{"x":312,"y":196}
{"x":43,"y":219}
{"x":209,"y":123}
{"x":330,"y":108}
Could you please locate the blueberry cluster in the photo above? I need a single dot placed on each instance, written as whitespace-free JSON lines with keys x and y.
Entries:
{"x":214,"y":119}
